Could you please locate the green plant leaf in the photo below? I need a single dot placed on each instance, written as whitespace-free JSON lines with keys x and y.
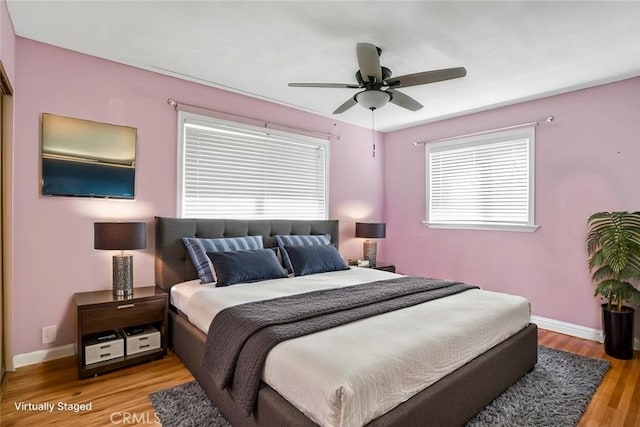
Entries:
{"x":613,"y":246}
{"x":602,"y":273}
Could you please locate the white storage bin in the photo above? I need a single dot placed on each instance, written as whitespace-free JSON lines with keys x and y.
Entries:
{"x":98,"y":351}
{"x":147,"y":340}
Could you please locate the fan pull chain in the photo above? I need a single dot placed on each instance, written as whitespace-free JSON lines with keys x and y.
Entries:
{"x":373,"y":132}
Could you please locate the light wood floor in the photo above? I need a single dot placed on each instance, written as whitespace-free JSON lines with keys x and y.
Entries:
{"x":120,"y":398}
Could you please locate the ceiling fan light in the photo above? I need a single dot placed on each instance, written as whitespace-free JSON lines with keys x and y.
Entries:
{"x":372,"y":99}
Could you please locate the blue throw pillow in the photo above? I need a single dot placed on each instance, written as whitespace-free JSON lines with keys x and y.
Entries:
{"x":315,"y":259}
{"x":198,"y":249}
{"x":299,"y":240}
{"x":246,"y":266}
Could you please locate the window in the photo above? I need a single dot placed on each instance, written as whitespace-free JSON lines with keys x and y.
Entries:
{"x":482,"y":182}
{"x":234,"y":170}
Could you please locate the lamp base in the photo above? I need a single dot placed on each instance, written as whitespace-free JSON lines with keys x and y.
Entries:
{"x":369,"y":251}
{"x":123,"y":276}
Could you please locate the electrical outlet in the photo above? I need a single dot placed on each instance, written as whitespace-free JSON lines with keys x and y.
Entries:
{"x":49,"y":334}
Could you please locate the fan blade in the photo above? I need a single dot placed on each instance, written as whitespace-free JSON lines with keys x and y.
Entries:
{"x":404,"y":101}
{"x":369,"y":62}
{"x":346,"y":105}
{"x":426,"y":77}
{"x":336,"y":85}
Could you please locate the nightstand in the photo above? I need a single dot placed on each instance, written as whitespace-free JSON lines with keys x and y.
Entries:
{"x":389,"y":268}
{"x":102,"y":319}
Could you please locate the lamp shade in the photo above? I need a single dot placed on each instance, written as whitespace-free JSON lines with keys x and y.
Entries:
{"x":371,"y":230}
{"x":120,"y":235}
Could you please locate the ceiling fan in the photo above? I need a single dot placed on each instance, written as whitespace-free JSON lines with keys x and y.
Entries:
{"x":379,"y":87}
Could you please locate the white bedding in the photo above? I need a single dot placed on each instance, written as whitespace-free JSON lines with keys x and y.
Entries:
{"x":352,"y":374}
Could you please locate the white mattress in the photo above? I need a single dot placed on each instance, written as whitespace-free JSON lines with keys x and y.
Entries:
{"x":352,"y":374}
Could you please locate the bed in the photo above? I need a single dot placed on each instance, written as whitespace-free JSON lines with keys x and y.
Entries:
{"x":450,"y":401}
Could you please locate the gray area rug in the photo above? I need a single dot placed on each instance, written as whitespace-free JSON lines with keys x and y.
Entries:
{"x":554,"y":394}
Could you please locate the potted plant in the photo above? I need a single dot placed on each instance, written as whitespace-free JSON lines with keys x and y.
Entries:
{"x":613,"y":245}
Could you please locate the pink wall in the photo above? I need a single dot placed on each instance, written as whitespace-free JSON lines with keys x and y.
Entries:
{"x":586,"y":161}
{"x":53,"y":248}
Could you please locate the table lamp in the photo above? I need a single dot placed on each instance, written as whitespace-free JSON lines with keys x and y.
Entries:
{"x":370,"y":230}
{"x":121,"y":236}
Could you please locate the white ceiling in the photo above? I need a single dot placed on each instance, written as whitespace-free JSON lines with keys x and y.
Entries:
{"x":513,"y":51}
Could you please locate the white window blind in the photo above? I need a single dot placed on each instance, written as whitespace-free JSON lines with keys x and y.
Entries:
{"x":233,"y":170}
{"x":485,"y":181}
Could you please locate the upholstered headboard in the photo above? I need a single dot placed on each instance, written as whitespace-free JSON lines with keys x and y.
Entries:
{"x":173,"y":264}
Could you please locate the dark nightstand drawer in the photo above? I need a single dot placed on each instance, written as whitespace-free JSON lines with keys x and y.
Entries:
{"x":120,"y":315}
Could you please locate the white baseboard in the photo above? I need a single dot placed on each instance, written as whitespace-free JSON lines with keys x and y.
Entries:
{"x":567,"y":328}
{"x":39,"y":356}
{"x":573,"y":329}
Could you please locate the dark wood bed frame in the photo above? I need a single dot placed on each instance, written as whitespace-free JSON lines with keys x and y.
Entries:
{"x":449,"y":402}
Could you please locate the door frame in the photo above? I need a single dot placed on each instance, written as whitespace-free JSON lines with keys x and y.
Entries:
{"x":6,"y":157}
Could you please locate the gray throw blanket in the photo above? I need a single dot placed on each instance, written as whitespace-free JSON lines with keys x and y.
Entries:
{"x":240,"y":337}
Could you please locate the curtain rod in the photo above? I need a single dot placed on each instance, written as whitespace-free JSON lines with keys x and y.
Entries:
{"x":547,"y":119}
{"x":265,"y":123}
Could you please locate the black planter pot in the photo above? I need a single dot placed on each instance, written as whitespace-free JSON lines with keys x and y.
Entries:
{"x":618,"y":332}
